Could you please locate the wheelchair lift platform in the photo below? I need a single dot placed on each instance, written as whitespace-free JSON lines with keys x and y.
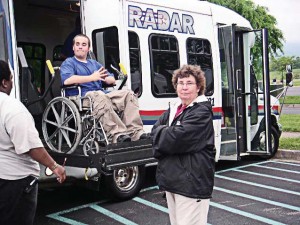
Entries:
{"x":110,"y":157}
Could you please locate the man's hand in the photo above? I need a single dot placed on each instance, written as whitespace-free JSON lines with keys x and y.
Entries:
{"x":60,"y":172}
{"x":100,"y":74}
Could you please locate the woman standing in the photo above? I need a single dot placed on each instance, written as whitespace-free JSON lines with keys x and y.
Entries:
{"x":183,"y":143}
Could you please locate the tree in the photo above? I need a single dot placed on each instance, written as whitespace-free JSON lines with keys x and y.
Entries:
{"x":259,"y":18}
{"x":279,"y":64}
{"x":296,"y":64}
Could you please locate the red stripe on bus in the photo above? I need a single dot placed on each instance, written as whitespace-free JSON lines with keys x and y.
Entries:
{"x":159,"y":112}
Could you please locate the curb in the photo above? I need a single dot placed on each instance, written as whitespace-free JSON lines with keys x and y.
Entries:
{"x":288,"y":154}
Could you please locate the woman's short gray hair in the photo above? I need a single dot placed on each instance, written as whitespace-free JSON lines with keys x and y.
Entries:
{"x":190,"y":70}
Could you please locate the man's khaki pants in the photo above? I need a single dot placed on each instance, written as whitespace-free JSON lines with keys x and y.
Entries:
{"x":108,"y":108}
{"x":187,"y":211}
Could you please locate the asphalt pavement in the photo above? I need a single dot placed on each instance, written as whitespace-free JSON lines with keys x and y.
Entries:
{"x":250,"y":191}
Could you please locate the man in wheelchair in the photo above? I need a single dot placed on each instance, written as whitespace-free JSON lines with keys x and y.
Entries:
{"x":107,"y":106}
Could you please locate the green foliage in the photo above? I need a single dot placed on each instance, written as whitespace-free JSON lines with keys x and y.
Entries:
{"x":281,"y":62}
{"x":290,"y":122}
{"x":259,"y":18}
{"x":289,"y":143}
{"x":296,"y":63}
{"x":281,"y":75}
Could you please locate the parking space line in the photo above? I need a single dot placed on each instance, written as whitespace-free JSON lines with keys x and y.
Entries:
{"x":112,"y":215}
{"x":241,"y":167}
{"x":151,"y":204}
{"x":286,"y":163}
{"x":268,"y":176}
{"x":246,"y":214}
{"x":56,"y":216}
{"x":283,"y":205}
{"x":149,"y":188}
{"x":277,"y":169}
{"x":258,"y":185}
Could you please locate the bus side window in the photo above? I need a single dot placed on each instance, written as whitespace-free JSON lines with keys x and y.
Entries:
{"x":164,"y":56}
{"x":135,"y":63}
{"x":106,"y":47}
{"x":199,"y":53}
{"x":35,"y":54}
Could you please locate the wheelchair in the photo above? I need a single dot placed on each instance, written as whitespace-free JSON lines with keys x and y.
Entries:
{"x":68,"y":123}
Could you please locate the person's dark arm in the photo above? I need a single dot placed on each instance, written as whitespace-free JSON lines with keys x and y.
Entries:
{"x":42,"y":156}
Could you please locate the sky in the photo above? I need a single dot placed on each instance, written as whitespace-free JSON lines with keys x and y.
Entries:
{"x":288,"y":21}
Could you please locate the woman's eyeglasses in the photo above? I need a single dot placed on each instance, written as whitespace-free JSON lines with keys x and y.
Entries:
{"x":188,"y":84}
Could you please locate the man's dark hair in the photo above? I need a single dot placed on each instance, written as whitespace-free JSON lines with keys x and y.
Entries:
{"x":4,"y":71}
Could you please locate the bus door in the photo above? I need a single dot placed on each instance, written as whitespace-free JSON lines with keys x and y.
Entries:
{"x":233,"y":133}
{"x":8,"y":41}
{"x":257,"y":94}
{"x":245,"y":88}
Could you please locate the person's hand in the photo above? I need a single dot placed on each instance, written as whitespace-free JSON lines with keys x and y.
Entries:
{"x":60,"y":172}
{"x":100,"y":74}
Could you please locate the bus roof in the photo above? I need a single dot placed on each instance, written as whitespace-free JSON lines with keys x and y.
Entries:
{"x":227,"y":16}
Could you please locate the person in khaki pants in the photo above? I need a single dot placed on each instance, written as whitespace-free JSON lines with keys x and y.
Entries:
{"x":90,"y":74}
{"x":183,"y":143}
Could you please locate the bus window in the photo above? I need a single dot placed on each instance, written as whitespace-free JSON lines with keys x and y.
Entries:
{"x":164,"y":56}
{"x":35,"y":55}
{"x":199,"y":53}
{"x":57,"y":55}
{"x":135,"y":63}
{"x":3,"y":45}
{"x":106,"y":48}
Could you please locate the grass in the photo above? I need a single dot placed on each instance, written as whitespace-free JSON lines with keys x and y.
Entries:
{"x":290,"y":122}
{"x":281,"y":75}
{"x":289,"y":143}
{"x":296,"y":82}
{"x":291,"y":100}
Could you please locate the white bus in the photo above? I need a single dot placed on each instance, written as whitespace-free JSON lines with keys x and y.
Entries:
{"x":151,"y":38}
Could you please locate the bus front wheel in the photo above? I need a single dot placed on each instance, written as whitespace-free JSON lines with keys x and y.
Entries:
{"x":274,"y":143}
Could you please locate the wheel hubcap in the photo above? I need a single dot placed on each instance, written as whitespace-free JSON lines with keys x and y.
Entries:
{"x":126,"y":178}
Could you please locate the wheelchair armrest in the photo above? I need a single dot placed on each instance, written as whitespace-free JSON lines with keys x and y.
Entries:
{"x":69,"y":86}
{"x":105,"y":85}
{"x":65,"y":87}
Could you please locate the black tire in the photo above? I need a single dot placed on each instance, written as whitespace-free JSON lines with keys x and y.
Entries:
{"x":125,"y":183}
{"x":275,"y":144}
{"x":61,"y":125}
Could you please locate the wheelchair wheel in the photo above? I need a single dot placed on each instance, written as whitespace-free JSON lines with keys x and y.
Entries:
{"x":90,"y":147}
{"x":61,"y":125}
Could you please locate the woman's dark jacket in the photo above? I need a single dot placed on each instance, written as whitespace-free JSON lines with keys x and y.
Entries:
{"x":184,"y":148}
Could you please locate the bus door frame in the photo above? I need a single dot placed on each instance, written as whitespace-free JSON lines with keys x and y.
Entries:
{"x":263,"y":110}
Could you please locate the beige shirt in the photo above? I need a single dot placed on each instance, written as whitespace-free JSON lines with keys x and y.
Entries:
{"x":17,"y":136}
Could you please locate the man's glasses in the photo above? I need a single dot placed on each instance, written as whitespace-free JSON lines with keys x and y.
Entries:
{"x":188,"y":84}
